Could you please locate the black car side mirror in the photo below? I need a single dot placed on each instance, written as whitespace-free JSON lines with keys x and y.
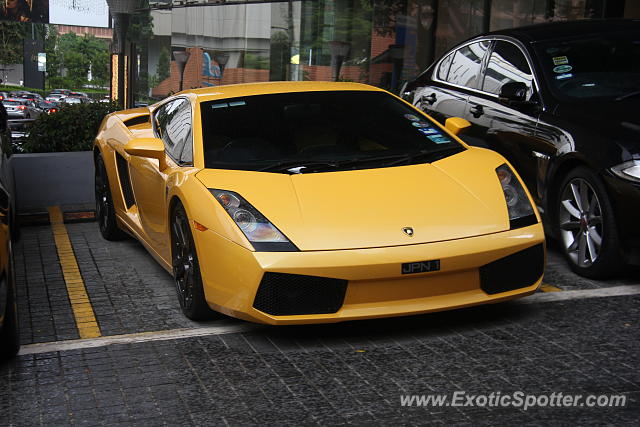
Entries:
{"x":513,"y":92}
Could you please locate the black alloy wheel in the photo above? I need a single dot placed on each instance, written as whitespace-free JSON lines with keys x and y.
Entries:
{"x":186,"y":269}
{"x":586,"y":225}
{"x":105,"y":212}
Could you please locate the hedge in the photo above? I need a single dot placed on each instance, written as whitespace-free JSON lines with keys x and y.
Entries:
{"x":73,"y":128}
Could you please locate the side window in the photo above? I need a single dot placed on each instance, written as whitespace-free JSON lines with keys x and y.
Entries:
{"x":443,"y":71}
{"x":173,"y":126}
{"x":466,"y":64}
{"x":507,"y":64}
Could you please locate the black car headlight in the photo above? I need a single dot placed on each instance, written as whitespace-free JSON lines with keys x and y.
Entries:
{"x":521,"y":212}
{"x":263,"y":235}
{"x":628,"y":170}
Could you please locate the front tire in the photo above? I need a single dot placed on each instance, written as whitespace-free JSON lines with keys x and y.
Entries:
{"x":586,"y":225}
{"x":186,"y":268}
{"x":105,"y":212}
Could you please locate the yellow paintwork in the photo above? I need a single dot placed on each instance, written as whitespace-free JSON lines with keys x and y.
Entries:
{"x":457,"y":125}
{"x":80,"y":305}
{"x":347,"y":224}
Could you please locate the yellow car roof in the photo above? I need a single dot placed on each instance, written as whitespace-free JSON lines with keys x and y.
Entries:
{"x":247,"y":89}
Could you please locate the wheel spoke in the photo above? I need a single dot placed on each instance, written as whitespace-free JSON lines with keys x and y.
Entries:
{"x":582,"y":249}
{"x":584,"y":196}
{"x":571,"y":209}
{"x":595,"y":236}
{"x":593,"y":252}
{"x":574,"y":245}
{"x":576,"y":196}
{"x":570,"y":225}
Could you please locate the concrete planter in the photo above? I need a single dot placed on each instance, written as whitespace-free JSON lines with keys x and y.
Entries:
{"x":48,"y":179}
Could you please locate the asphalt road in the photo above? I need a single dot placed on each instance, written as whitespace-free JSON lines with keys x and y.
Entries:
{"x":151,"y":366}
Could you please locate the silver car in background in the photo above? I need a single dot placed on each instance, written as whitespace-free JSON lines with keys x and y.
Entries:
{"x":18,"y":108}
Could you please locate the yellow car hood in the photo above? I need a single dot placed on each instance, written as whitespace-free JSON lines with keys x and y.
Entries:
{"x":450,"y":199}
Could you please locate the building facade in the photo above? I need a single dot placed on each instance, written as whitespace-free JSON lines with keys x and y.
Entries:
{"x":379,"y":42}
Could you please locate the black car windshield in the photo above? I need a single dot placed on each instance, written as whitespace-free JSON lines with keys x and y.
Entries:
{"x":305,"y":132}
{"x":12,"y":103}
{"x":606,"y":66}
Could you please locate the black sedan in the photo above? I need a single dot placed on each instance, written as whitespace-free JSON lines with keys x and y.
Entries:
{"x":561,"y":102}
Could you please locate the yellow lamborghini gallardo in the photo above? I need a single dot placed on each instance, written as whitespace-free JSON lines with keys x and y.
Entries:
{"x":308,"y":202}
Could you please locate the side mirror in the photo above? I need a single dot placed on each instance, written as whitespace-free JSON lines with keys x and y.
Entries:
{"x":456,"y":125}
{"x":513,"y":92}
{"x":152,"y":148}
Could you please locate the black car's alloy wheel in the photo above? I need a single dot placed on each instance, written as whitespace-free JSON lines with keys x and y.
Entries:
{"x":586,"y":226}
{"x":186,"y":269}
{"x":105,"y":213}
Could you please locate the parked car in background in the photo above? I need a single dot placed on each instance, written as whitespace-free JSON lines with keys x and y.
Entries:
{"x":561,"y":102}
{"x":4,"y":95}
{"x":9,"y":336}
{"x":73,"y":100}
{"x":28,"y":95}
{"x":49,"y":107}
{"x":60,"y":91}
{"x":19,"y":132}
{"x":20,"y":108}
{"x":54,"y":97}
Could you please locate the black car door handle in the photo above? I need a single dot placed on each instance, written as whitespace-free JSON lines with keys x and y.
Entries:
{"x":429,"y":99}
{"x":476,"y":111}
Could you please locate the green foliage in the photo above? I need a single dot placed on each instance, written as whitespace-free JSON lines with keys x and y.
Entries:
{"x":163,"y":64}
{"x":76,"y":54}
{"x":73,"y":128}
{"x":255,"y":61}
{"x":11,"y":40}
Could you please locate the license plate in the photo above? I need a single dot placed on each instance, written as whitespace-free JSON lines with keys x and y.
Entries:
{"x":420,"y":266}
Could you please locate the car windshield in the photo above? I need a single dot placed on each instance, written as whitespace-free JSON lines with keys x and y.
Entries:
{"x":13,"y":103}
{"x":304,"y":132}
{"x":606,"y":66}
{"x":72,"y":100}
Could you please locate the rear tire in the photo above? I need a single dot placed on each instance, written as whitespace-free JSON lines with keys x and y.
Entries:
{"x":186,"y":268}
{"x":586,"y":226}
{"x":105,"y":212}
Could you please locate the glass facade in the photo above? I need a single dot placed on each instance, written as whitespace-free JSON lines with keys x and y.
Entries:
{"x":379,"y":42}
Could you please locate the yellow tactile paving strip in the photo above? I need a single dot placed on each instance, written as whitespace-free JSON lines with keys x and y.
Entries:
{"x":80,"y":304}
{"x":549,"y":288}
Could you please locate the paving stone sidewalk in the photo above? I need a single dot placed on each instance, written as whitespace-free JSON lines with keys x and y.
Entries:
{"x":345,"y":373}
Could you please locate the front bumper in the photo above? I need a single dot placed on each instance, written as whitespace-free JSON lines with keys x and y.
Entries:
{"x":625,"y":198}
{"x":375,"y":286}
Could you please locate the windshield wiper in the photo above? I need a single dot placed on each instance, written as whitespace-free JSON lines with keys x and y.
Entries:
{"x":427,"y":156}
{"x":628,"y":95}
{"x":296,"y":166}
{"x":303,"y":166}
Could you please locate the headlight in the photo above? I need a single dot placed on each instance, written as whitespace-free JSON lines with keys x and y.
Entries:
{"x":520,"y":210}
{"x":628,"y":170}
{"x":263,"y":235}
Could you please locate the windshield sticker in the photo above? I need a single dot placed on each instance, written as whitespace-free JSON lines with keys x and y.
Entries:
{"x":412,"y":117}
{"x":560,"y":69}
{"x":421,"y":124}
{"x":560,"y":60}
{"x":564,"y":76}
{"x":438,"y":139}
{"x":429,"y":131}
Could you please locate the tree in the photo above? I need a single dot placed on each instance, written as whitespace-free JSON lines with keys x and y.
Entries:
{"x":11,"y":41}
{"x":163,"y":64}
